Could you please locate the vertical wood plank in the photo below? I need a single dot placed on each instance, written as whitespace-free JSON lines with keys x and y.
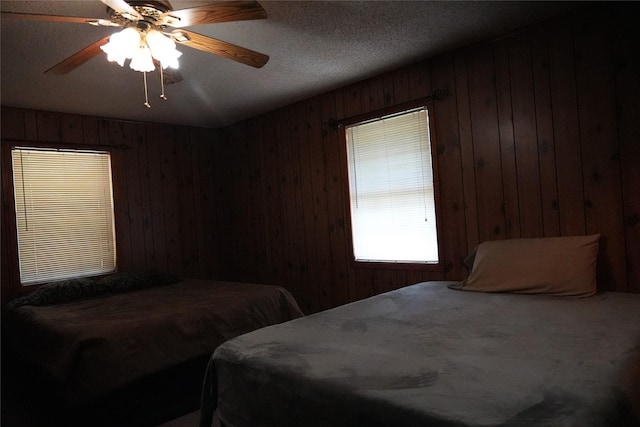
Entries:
{"x":627,"y":84}
{"x":401,"y":86}
{"x":373,"y":96}
{"x":159,"y":258}
{"x":49,"y":126}
{"x":385,"y":280}
{"x":292,"y":212}
{"x":600,"y":151}
{"x":544,"y":130}
{"x":466,"y":150}
{"x":317,"y":169}
{"x":419,"y":80}
{"x":167,"y":139}
{"x":186,"y":202}
{"x":31,"y":125}
{"x":72,"y":129}
{"x":388,"y":90}
{"x":486,"y":148}
{"x":510,"y":204}
{"x":90,"y":131}
{"x":564,"y":101}
{"x":133,"y":136}
{"x":312,"y":269}
{"x":145,"y":198}
{"x":258,"y":214}
{"x":344,"y":280}
{"x":109,"y":135}
{"x":352,"y":100}
{"x":272,"y":202}
{"x":12,"y":124}
{"x":526,"y":145}
{"x":9,"y":276}
{"x":210,"y":222}
{"x":444,"y":117}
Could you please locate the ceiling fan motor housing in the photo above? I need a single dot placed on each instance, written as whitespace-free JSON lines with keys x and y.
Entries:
{"x":150,"y":10}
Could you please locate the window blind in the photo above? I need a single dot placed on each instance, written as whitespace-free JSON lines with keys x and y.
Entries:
{"x":64,"y":214}
{"x":391,"y":189}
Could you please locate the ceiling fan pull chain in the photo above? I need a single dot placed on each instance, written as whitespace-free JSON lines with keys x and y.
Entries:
{"x":162,"y":83}
{"x":146,"y":95}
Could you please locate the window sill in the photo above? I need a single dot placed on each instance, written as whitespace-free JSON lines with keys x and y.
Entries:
{"x":388,"y":265}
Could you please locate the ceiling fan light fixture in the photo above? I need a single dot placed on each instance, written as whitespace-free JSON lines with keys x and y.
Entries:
{"x":142,"y":47}
{"x":143,"y":40}
{"x":122,"y":45}
{"x":163,"y":49}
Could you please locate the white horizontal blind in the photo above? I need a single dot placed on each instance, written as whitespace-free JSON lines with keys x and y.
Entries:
{"x":391,"y":189}
{"x":64,"y":214}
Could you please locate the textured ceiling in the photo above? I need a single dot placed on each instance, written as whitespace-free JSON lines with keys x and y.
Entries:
{"x":314,"y":47}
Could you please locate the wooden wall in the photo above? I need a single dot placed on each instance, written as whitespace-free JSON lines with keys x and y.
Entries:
{"x":164,"y":191}
{"x":539,"y":136}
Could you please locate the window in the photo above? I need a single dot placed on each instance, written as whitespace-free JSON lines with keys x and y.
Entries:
{"x":391,"y":189}
{"x":64,"y":213}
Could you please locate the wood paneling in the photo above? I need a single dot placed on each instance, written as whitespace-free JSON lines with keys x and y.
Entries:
{"x":537,"y":137}
{"x":627,"y":87}
{"x":164,"y":221}
{"x":529,"y":144}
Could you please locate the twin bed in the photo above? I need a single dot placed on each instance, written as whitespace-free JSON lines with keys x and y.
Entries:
{"x":428,"y":355}
{"x":100,"y":348}
{"x":525,"y":341}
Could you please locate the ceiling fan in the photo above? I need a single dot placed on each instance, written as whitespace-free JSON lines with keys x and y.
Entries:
{"x":153,"y":29}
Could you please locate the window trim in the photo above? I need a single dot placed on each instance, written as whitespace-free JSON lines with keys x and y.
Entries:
{"x":374,"y":115}
{"x":11,"y":283}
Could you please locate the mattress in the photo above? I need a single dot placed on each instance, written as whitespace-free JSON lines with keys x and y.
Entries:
{"x":92,"y":346}
{"x":429,"y":355}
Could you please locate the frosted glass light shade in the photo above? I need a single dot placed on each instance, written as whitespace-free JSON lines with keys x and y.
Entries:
{"x":163,"y":49}
{"x":122,"y":45}
{"x":142,"y":60}
{"x":132,"y":44}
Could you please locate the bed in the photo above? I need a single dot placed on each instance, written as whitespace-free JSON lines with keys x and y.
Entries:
{"x":90,"y":339}
{"x":437,"y":354}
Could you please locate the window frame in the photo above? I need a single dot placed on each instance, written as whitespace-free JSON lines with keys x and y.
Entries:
{"x":373,"y":115}
{"x":14,"y":286}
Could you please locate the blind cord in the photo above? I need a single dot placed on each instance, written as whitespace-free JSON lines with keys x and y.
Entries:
{"x":24,"y":194}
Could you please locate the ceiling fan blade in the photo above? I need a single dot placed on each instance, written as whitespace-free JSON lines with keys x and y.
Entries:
{"x":78,"y":58}
{"x":224,"y":11}
{"x":123,"y":8}
{"x":58,"y":18}
{"x":218,"y":47}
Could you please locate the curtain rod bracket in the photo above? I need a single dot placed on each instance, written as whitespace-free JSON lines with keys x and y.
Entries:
{"x":334,"y":123}
{"x":438,"y":94}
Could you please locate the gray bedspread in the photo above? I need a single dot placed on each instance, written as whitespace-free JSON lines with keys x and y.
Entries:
{"x":426,"y":355}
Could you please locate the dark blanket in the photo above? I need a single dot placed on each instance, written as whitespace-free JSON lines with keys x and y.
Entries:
{"x":426,"y":355}
{"x":92,"y":346}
